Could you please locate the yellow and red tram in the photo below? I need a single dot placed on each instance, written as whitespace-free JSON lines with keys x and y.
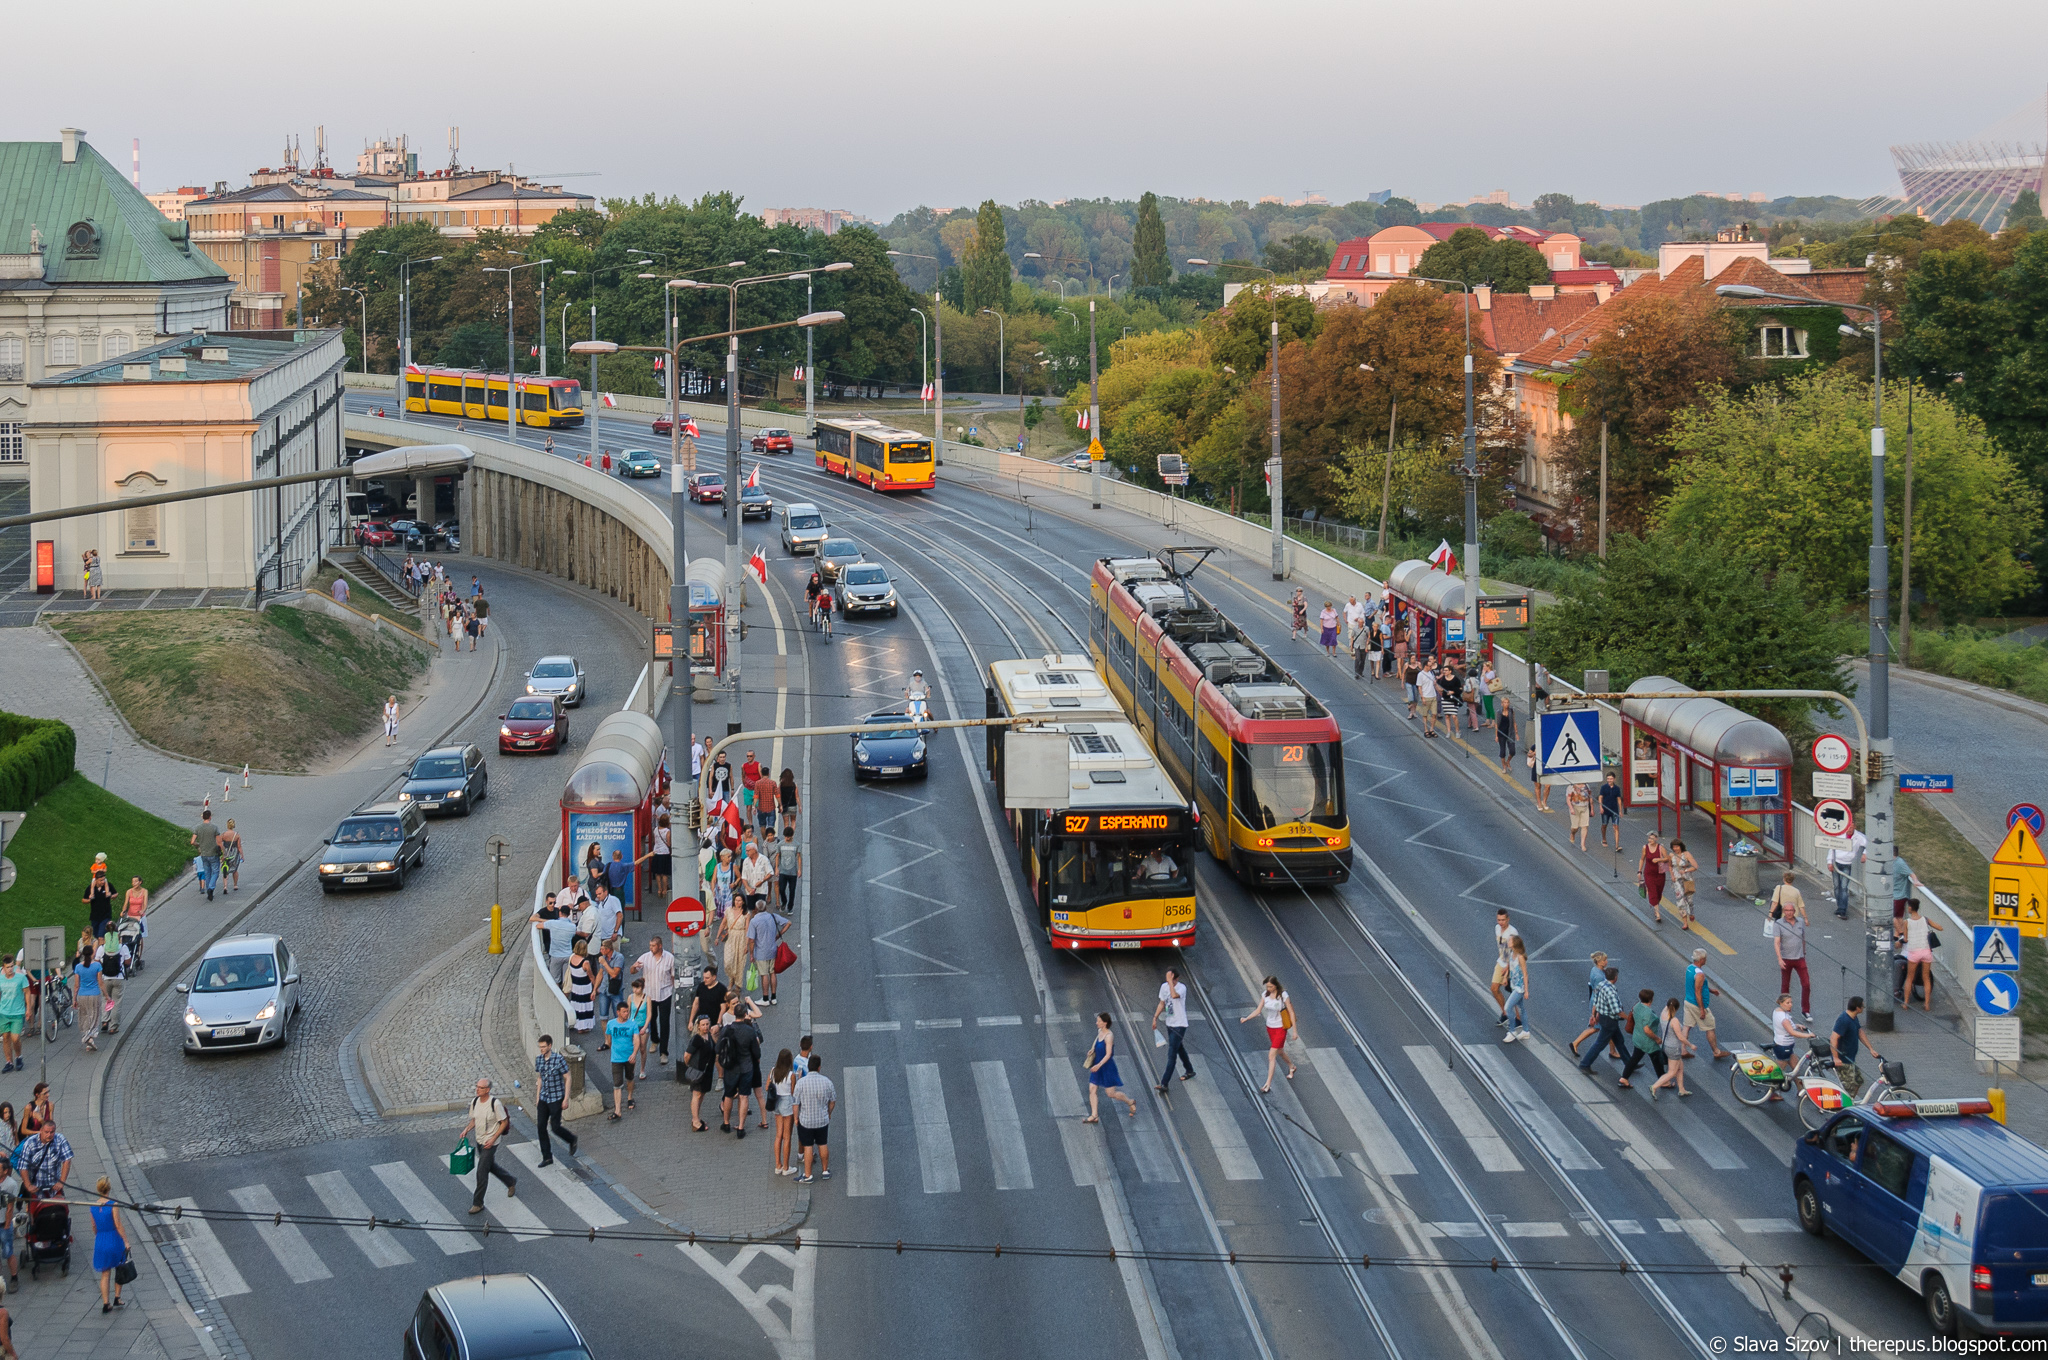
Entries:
{"x":544,"y":403}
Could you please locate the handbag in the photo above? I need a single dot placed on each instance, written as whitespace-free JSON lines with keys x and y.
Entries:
{"x":690,"y":1075}
{"x":784,"y":956}
{"x":125,"y":1272}
{"x":770,"y":1098}
{"x":462,"y":1160}
{"x":1287,"y":1017}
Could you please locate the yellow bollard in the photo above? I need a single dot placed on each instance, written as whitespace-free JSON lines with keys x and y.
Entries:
{"x":497,"y":929}
{"x":1996,"y":1095}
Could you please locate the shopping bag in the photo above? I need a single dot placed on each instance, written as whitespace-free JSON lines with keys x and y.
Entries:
{"x":753,"y":978}
{"x":1158,"y":1039}
{"x":784,"y":956}
{"x":462,"y":1160}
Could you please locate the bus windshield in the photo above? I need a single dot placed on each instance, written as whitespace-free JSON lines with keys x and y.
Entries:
{"x":1295,"y":782}
{"x":1085,"y":872}
{"x":910,"y":453}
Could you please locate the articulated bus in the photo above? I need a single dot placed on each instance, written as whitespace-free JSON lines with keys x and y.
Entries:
{"x":1112,"y":866}
{"x":875,"y":455}
{"x":543,"y":402}
{"x":1265,"y":759}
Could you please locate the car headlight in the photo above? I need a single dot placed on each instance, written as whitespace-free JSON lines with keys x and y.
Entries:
{"x":330,"y":868}
{"x":504,"y":731}
{"x":860,"y":750}
{"x":917,"y":751}
{"x":455,"y":793}
{"x":404,"y":797}
{"x":529,"y":689}
{"x":382,"y":865}
{"x":192,"y":1017}
{"x":269,"y":1012}
{"x":548,"y":731}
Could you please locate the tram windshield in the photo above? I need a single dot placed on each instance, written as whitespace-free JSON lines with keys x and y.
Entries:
{"x":1295,"y":782}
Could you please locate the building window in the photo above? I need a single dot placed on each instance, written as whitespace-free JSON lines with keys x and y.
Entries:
{"x":115,"y":345}
{"x":63,"y":349}
{"x":12,"y":368}
{"x":1400,"y":264}
{"x":11,"y":449}
{"x":1343,"y":262}
{"x":277,"y":222}
{"x":1779,"y":342}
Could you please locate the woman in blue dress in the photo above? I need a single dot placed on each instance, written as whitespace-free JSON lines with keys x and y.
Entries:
{"x":109,"y":1246}
{"x":1102,"y":1071}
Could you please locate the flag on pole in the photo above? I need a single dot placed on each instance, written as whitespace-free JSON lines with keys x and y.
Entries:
{"x":927,"y":394}
{"x":533,"y":351}
{"x":1083,"y":421}
{"x":659,"y":361}
{"x":606,"y":398}
{"x":1443,"y":556}
{"x":690,"y":426}
{"x":758,"y":565}
{"x":799,"y":372}
{"x":753,"y":481}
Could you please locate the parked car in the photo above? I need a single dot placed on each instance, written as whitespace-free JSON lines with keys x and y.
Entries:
{"x":534,"y":722}
{"x":893,"y":748}
{"x":1079,"y":462}
{"x":836,"y":555}
{"x":492,"y":1317}
{"x":705,"y":487}
{"x":450,"y":534}
{"x":867,"y":589}
{"x":244,"y":994}
{"x":447,"y":779}
{"x":375,"y":533}
{"x":775,"y":441}
{"x":803,"y":528}
{"x":559,"y":676}
{"x":639,"y":463}
{"x":374,"y":844}
{"x":755,"y":503}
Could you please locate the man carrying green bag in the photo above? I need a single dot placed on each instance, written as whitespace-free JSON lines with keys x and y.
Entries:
{"x":490,"y":1121}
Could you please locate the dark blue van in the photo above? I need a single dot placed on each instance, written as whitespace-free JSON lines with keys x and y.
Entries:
{"x":1943,"y":1196}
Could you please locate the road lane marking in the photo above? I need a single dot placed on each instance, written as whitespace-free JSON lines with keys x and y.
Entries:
{"x":1226,"y":1135}
{"x":1489,"y":1147}
{"x":581,"y":1200}
{"x":863,"y":1133}
{"x":205,"y":1252}
{"x":1767,"y":1225}
{"x":286,"y":1242}
{"x":1381,"y":1148}
{"x":990,"y":1021}
{"x":1533,"y":1229}
{"x":1006,"y":1150}
{"x":1542,"y":1124}
{"x":935,"y":1158}
{"x":1708,"y":1144}
{"x":420,"y":1206}
{"x":342,"y":1201}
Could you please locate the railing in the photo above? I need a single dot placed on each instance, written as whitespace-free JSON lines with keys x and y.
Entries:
{"x":389,"y":567}
{"x":1350,"y":535}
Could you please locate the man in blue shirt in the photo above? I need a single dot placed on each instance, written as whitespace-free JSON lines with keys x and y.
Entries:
{"x":625,"y":1037}
{"x":1607,"y":1011}
{"x":618,"y":877}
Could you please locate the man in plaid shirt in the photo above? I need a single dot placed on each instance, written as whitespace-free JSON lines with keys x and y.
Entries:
{"x":1607,"y":1014}
{"x":551,"y":1071}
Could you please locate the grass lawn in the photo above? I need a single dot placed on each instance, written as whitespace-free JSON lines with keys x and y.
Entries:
{"x":53,"y":853}
{"x":274,"y":690}
{"x":365,"y":600}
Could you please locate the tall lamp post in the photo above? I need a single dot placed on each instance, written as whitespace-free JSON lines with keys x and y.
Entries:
{"x":938,"y":371}
{"x":511,"y":362}
{"x":1273,"y":463}
{"x":1002,"y":347}
{"x":810,"y":347}
{"x":1879,"y":775}
{"x":924,"y":354}
{"x":405,"y":321}
{"x":364,"y":334}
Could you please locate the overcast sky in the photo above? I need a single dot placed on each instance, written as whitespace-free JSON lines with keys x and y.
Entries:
{"x":885,"y":105}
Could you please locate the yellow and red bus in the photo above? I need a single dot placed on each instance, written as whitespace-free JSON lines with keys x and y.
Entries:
{"x":1264,"y":757}
{"x":543,"y":402}
{"x":1111,"y":865}
{"x":875,"y":455}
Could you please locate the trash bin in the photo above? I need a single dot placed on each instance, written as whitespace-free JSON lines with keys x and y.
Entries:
{"x":1742,"y":876}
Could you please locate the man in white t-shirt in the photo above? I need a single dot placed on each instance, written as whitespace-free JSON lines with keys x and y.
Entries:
{"x":755,"y":872}
{"x":1504,"y":933}
{"x":609,"y":909}
{"x":1173,"y":1006}
{"x":657,"y":968}
{"x":1354,"y":619}
{"x":1842,"y":866}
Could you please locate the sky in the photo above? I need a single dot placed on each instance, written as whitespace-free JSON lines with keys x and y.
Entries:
{"x":886,"y":105}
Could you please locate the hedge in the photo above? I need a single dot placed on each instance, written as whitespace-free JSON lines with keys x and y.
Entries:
{"x":36,"y":755}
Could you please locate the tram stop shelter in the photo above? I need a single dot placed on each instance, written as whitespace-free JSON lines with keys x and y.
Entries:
{"x":609,"y":801}
{"x":1431,"y":599}
{"x":1700,"y":752}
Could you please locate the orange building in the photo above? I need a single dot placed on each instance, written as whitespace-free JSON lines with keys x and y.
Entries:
{"x":1397,"y":251}
{"x":268,"y":236}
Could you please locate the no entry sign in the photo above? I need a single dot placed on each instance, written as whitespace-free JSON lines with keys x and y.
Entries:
{"x":686,"y":916}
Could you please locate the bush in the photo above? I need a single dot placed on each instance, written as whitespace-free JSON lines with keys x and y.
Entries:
{"x":1983,"y":659}
{"x":1512,"y":534}
{"x":36,"y":755}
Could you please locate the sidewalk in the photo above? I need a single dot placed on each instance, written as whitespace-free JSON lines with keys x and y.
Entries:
{"x":282,"y":819}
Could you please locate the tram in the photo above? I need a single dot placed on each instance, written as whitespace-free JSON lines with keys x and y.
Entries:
{"x":1113,"y":866}
{"x":875,"y":455}
{"x":544,"y":403}
{"x":1265,"y":758}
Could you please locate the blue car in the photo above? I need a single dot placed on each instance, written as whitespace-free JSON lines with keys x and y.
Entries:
{"x":893,"y":748}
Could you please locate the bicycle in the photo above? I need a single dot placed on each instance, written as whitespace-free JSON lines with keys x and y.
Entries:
{"x":1890,"y":1085}
{"x":59,"y":1006}
{"x":821,"y":613}
{"x":1757,"y":1076}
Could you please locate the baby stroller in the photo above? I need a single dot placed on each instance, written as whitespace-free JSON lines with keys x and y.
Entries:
{"x":131,"y":936}
{"x":49,"y":1236}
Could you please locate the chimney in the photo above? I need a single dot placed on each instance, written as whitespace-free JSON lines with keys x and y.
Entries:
{"x":71,"y":138}
{"x":1602,"y":291}
{"x":1485,"y":296}
{"x":1542,"y":292}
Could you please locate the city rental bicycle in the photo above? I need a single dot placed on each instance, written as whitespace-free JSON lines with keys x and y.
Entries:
{"x":1758,"y":1075}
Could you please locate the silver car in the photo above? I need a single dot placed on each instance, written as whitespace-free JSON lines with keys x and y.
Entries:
{"x":803,"y":528}
{"x":244,"y":994}
{"x":557,"y":675}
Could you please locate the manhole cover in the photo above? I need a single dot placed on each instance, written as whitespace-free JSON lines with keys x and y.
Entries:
{"x":1393,"y":1216}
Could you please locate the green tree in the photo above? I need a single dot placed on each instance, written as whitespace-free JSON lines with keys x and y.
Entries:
{"x":473,"y":344}
{"x":1780,"y":480}
{"x":1966,"y":316}
{"x":1150,"y":265}
{"x":1471,"y":256}
{"x":1550,"y":208}
{"x":1682,"y":606}
{"x":2025,"y":214}
{"x":1297,"y":254}
{"x":987,"y":267}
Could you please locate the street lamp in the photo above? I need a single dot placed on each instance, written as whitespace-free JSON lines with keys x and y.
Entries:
{"x":511,"y":370}
{"x":1878,"y":791}
{"x":1273,"y":463}
{"x":364,"y":333}
{"x":924,"y":355}
{"x":810,"y":349}
{"x":1001,"y":345}
{"x":405,"y":321}
{"x":938,"y":371}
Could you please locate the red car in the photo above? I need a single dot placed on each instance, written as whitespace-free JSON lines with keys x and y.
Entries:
{"x":662,"y":425}
{"x":775,"y":441}
{"x":535,"y":722}
{"x":706,"y":487}
{"x":376,"y":533}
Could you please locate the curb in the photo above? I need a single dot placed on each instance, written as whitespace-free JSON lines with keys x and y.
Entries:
{"x":1996,"y":698}
{"x":362,"y":1058}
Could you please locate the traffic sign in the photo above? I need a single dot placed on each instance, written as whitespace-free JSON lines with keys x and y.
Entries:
{"x":2036,"y":821}
{"x":1568,"y":746}
{"x":686,"y":916}
{"x":1996,"y":948}
{"x":1927,"y":783}
{"x":1998,"y":994}
{"x":1095,"y":450}
{"x":1832,"y":753}
{"x":1833,"y":817}
{"x":1833,"y":785}
{"x":2019,"y":882}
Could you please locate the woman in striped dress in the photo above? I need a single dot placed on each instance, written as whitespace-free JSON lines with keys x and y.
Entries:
{"x":579,"y":984}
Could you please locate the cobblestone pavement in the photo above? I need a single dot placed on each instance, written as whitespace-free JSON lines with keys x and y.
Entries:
{"x":424,"y":1049}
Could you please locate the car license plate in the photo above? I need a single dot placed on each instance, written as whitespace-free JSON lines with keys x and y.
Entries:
{"x":2040,"y":1280}
{"x":429,"y":804}
{"x":527,"y":741}
{"x":355,"y":878}
{"x":230,"y":1031}
{"x":892,"y":769}
{"x":1125,"y":944}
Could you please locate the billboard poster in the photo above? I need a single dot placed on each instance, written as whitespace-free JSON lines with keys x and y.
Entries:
{"x":609,"y":831}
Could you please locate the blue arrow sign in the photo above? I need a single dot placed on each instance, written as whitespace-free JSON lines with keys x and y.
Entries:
{"x":1568,"y":744}
{"x":1998,"y":994}
{"x":1996,"y":948}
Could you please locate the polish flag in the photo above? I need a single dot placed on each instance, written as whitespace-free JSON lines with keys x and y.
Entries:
{"x":1443,"y":556}
{"x":799,"y":373}
{"x":753,"y":478}
{"x":927,"y":392}
{"x":690,"y":426}
{"x":1082,"y":423}
{"x":659,"y":360}
{"x":533,"y":351}
{"x":758,"y":565}
{"x":606,"y":398}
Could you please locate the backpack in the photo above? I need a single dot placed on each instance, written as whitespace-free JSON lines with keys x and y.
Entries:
{"x":728,"y":1049}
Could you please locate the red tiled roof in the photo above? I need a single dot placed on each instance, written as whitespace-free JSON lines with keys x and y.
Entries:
{"x":1836,"y":285}
{"x":1520,"y":322}
{"x":1585,"y":277}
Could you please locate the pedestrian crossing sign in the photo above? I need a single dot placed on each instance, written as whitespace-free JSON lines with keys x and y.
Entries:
{"x":1568,"y":746}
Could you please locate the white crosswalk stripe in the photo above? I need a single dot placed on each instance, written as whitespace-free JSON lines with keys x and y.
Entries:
{"x":342,"y":1201}
{"x":1005,"y":1131}
{"x":1709,"y":1145}
{"x":204,"y":1251}
{"x":1382,"y":1150}
{"x":864,"y":1174}
{"x":286,"y":1242}
{"x":1489,"y":1147}
{"x":420,"y":1206}
{"x":1544,"y":1125}
{"x":1226,"y":1135}
{"x":580,"y":1199}
{"x":936,"y":1162}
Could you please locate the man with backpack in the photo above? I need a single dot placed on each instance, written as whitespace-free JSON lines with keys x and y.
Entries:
{"x":739,"y":1057}
{"x":490,"y":1121}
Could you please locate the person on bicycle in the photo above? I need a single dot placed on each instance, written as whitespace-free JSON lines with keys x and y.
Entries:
{"x":917,"y":696}
{"x":811,"y":589}
{"x":1847,"y":1043}
{"x":825,"y":611}
{"x":1785,"y":1027}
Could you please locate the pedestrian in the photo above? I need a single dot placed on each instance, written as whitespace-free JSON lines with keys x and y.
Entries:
{"x":1785,"y":1028}
{"x":1536,"y":780}
{"x":45,"y":1162}
{"x":547,"y":444}
{"x":782,"y":1098}
{"x":231,"y":856}
{"x":1684,"y":867}
{"x":1917,"y":948}
{"x":551,"y":1088}
{"x":1677,"y":1048}
{"x":1518,"y":991}
{"x":1651,"y":865}
{"x":472,"y":627}
{"x":86,"y":971}
{"x":660,"y":857}
{"x":816,"y":1097}
{"x":764,"y":932}
{"x":1904,"y":880}
{"x":1327,"y":621}
{"x":1173,"y":1006}
{"x":593,"y":867}
{"x":657,"y":968}
{"x":618,"y":885}
{"x":483,"y":617}
{"x":1102,"y":1073}
{"x":99,"y":896}
{"x":114,"y":965}
{"x":1578,"y":807}
{"x":1599,"y":957}
{"x":732,"y":940}
{"x":13,"y":1012}
{"x":490,"y":1121}
{"x":1846,"y":1042}
{"x":1299,"y":607}
{"x":789,"y":868}
{"x":135,"y":907}
{"x":789,"y":801}
{"x":767,"y":803}
{"x":1424,"y":690}
{"x":1842,"y":863}
{"x":206,"y":839}
{"x":696,"y":759}
{"x":707,"y":998}
{"x":739,"y":1055}
{"x":579,"y":985}
{"x":390,"y":722}
{"x":1610,"y":809}
{"x":803,"y":1055}
{"x":1699,"y":998}
{"x":1411,"y":677}
{"x":750,"y":772}
{"x":700,"y":1057}
{"x":756,"y":872}
{"x":1354,"y":622}
{"x":1504,"y":935}
{"x":1361,"y":643}
{"x":109,"y":1245}
{"x":1478,"y":704}
{"x":1607,"y":1010}
{"x":1278,"y":1010}
{"x":10,"y":1205}
{"x":1788,"y":942}
{"x":1504,"y":738}
{"x":624,"y":1037}
{"x":1450,"y":688}
{"x":1489,"y":689}
{"x":611,"y":975}
{"x":721,"y":777}
{"x":1644,"y":1041}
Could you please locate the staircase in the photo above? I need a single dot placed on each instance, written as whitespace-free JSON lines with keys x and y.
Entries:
{"x":364,"y":573}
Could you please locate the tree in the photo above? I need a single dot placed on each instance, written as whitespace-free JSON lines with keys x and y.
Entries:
{"x":1300,"y":253}
{"x":1150,"y":265}
{"x":474,"y":344}
{"x":1780,"y":480}
{"x":986,"y":269}
{"x":2026,"y":213}
{"x":1550,"y":208}
{"x":1682,"y":606}
{"x":1966,"y":316}
{"x":1472,"y":257}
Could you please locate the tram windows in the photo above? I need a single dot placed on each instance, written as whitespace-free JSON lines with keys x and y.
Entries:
{"x":1098,"y":628}
{"x":1297,"y":782}
{"x":1212,"y":777}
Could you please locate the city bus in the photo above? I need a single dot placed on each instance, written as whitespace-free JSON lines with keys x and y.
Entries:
{"x":1111,"y":866}
{"x":1263,"y":755}
{"x":875,"y":455}
{"x":544,"y":403}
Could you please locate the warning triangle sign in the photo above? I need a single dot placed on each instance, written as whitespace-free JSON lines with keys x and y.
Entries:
{"x":2020,"y":847}
{"x":1571,"y":750}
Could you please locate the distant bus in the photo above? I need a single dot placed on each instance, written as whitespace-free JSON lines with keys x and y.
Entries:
{"x":875,"y":455}
{"x":543,"y":402}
